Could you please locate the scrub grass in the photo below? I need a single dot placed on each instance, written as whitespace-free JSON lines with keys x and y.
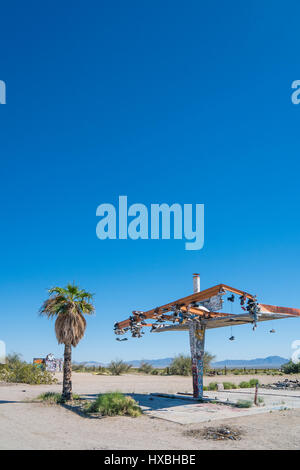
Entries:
{"x":119,"y":367}
{"x":229,"y":385}
{"x":114,"y":404}
{"x":249,"y":384}
{"x":53,"y":398}
{"x":244,"y":404}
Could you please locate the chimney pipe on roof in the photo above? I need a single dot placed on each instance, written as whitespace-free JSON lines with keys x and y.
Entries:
{"x":196,"y":282}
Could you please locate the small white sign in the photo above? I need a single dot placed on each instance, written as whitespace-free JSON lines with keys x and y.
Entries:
{"x":2,"y":352}
{"x":2,"y":92}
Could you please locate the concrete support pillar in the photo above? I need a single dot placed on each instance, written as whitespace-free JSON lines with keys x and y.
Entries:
{"x":197,"y":338}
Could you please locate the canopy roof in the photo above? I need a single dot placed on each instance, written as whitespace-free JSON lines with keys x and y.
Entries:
{"x":205,"y":306}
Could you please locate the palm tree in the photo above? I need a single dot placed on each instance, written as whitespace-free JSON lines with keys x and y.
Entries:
{"x":68,"y":305}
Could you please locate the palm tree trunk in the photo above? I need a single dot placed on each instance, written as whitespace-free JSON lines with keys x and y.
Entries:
{"x":67,"y":381}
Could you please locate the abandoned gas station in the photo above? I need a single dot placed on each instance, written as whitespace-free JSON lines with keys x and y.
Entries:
{"x":198,"y":312}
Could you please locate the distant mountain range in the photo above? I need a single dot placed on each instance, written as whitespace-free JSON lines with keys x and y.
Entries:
{"x":158,"y":363}
{"x":260,"y":362}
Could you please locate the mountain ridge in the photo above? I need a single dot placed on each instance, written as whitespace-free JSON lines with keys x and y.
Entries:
{"x":262,"y":362}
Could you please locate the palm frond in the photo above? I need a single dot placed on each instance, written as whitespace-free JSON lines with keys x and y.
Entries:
{"x":53,"y":306}
{"x":68,"y":305}
{"x":57,"y":290}
{"x":86,"y":307}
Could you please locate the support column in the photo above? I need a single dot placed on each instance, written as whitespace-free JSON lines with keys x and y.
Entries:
{"x":197,"y":338}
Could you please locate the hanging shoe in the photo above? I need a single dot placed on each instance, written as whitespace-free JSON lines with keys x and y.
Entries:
{"x":231,"y":298}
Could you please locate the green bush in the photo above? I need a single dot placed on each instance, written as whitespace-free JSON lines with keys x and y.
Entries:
{"x":229,"y":385}
{"x":244,"y":404}
{"x":17,"y":371}
{"x":114,"y":404}
{"x":118,"y":367}
{"x":182,"y":364}
{"x":244,"y":385}
{"x":13,"y":359}
{"x":55,"y":398}
{"x":213,"y":386}
{"x":146,"y":368}
{"x":253,"y":382}
{"x":291,"y":368}
{"x":92,"y":369}
{"x":51,"y":397}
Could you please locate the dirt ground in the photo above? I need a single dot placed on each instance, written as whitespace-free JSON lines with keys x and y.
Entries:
{"x":27,"y":425}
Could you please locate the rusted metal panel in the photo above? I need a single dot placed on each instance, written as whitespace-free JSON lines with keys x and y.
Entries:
{"x":228,"y":320}
{"x":210,"y":298}
{"x":204,"y":295}
{"x":277,"y":309}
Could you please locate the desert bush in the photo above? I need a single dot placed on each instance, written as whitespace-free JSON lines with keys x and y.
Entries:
{"x":207,"y":360}
{"x":55,"y":398}
{"x":18,"y":371}
{"x":51,"y":397}
{"x":244,"y":404}
{"x":244,"y":384}
{"x":118,"y":367}
{"x":182,"y":364}
{"x":13,"y":359}
{"x":213,"y":386}
{"x":229,"y":385}
{"x":146,"y":368}
{"x":291,"y":368}
{"x":91,"y":369}
{"x":114,"y":404}
{"x":253,"y":382}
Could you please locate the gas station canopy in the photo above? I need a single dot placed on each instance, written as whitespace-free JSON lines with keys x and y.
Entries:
{"x":204,"y":306}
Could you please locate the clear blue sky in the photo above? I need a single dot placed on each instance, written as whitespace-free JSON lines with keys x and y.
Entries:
{"x":162,"y":101}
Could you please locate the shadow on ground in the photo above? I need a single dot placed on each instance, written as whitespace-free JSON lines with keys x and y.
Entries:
{"x":147,"y":402}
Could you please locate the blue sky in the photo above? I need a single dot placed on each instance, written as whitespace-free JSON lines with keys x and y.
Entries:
{"x":162,"y":102}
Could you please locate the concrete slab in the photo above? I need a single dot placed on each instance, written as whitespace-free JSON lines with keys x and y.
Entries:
{"x":184,"y":409}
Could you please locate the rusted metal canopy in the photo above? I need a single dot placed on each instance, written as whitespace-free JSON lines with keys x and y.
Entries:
{"x":194,"y":305}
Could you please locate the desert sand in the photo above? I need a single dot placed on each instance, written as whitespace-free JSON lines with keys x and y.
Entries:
{"x":27,"y":425}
